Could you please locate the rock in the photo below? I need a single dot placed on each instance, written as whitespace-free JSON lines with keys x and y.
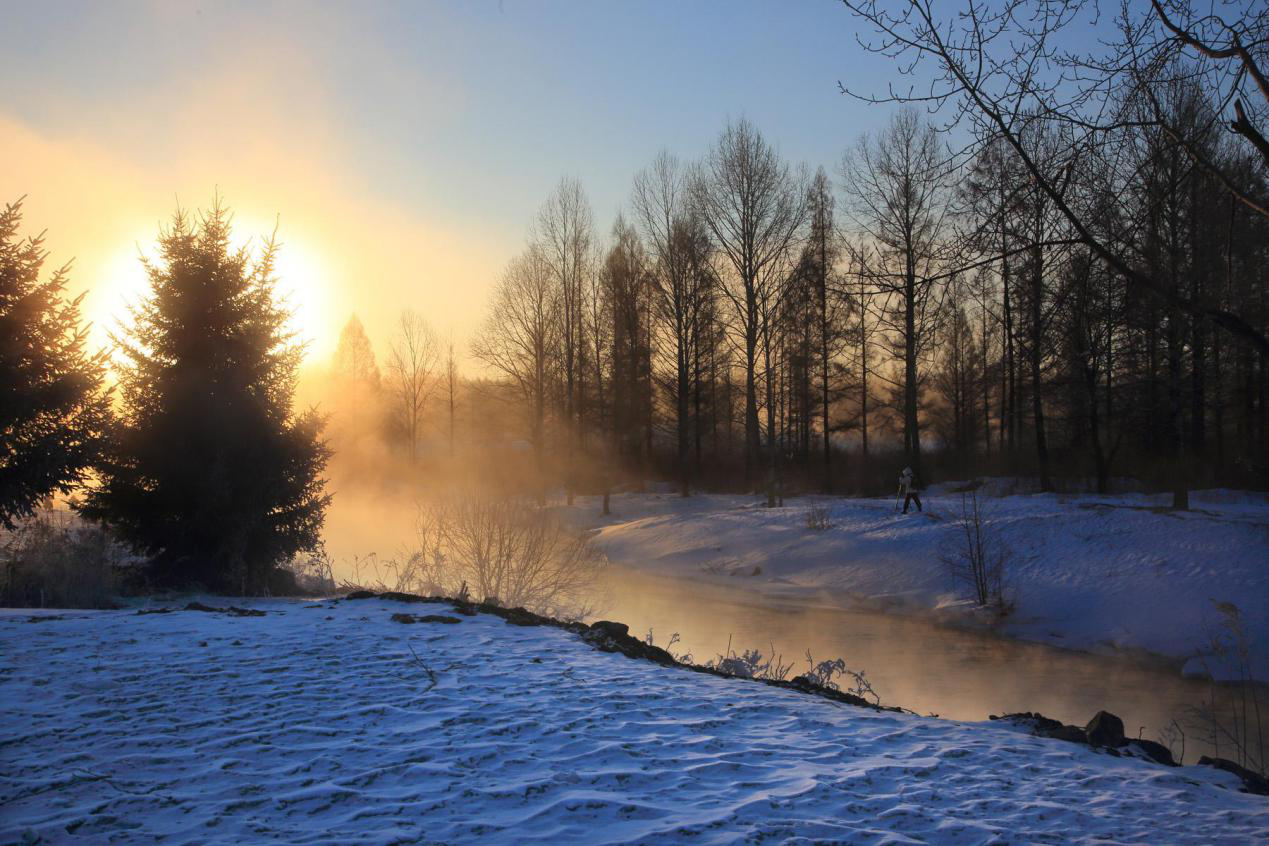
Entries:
{"x":398,"y":596}
{"x":198,"y":606}
{"x":610,"y":628}
{"x":1071,"y":734}
{"x":608,"y":636}
{"x":1105,"y":729}
{"x":1043,"y":726}
{"x":1156,"y":752}
{"x":361,"y":594}
{"x":519,"y":616}
{"x":1253,"y":782}
{"x":425,"y":618}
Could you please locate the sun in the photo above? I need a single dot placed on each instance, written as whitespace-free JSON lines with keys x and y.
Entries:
{"x":302,"y":274}
{"x":301,"y":271}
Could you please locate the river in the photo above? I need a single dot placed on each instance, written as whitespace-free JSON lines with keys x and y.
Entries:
{"x":930,"y":669}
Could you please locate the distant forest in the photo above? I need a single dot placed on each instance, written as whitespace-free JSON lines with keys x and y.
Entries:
{"x":1068,"y":281}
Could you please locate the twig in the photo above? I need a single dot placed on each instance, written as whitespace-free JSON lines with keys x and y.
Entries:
{"x":431,"y":675}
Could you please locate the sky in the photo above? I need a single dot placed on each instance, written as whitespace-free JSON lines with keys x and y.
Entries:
{"x":401,"y":149}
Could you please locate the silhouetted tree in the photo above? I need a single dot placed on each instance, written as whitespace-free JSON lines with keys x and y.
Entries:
{"x":412,"y":364}
{"x":897,"y":182}
{"x":54,"y":411}
{"x":520,"y":339}
{"x":355,"y":357}
{"x":212,"y":472}
{"x":356,"y":388}
{"x":754,"y":206}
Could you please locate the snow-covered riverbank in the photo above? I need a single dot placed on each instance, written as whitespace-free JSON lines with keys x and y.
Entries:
{"x":329,"y":723}
{"x":1096,"y":573}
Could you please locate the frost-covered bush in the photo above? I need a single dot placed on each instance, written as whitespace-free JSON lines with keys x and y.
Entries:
{"x":53,"y":560}
{"x":977,"y":557}
{"x":751,"y":664}
{"x":818,"y":517}
{"x":506,"y":551}
{"x":825,"y":674}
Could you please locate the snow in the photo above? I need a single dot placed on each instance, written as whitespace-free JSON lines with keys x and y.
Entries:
{"x":1116,"y":573}
{"x":328,"y":723}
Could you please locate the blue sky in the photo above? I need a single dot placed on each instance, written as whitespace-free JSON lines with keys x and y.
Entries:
{"x":437,"y":128}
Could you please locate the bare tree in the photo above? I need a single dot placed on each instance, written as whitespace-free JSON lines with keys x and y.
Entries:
{"x":357,"y":381}
{"x":520,"y":338}
{"x":627,"y":285}
{"x":897,"y":184}
{"x":451,"y":387}
{"x":412,"y":362}
{"x":678,"y":243}
{"x":1001,"y":69}
{"x":754,"y":206}
{"x":820,"y":259}
{"x":564,"y":234}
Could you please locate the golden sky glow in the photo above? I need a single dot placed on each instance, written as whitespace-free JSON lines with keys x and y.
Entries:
{"x":340,"y":253}
{"x":403,"y":148}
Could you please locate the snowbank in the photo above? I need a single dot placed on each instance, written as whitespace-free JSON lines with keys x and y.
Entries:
{"x":328,"y":723}
{"x":1117,"y":573}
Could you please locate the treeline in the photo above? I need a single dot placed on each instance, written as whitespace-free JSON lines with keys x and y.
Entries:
{"x":1034,"y":303}
{"x":749,"y":324}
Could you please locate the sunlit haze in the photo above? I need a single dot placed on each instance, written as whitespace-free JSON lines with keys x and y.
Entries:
{"x":402,"y":149}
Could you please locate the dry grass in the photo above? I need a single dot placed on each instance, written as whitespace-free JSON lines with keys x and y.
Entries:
{"x":52,"y":560}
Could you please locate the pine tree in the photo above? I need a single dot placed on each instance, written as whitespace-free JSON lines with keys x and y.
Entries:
{"x":212,"y":473}
{"x":54,"y":409}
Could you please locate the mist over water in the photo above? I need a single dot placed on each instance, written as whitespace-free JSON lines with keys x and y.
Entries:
{"x":930,"y":669}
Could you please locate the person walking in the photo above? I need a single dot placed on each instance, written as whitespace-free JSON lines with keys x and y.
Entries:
{"x":908,"y":489}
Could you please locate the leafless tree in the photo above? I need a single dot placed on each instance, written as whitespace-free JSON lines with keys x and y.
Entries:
{"x":679,"y":245}
{"x":1001,"y":69}
{"x":412,"y":362}
{"x":897,"y":182}
{"x":755,"y":206}
{"x":564,"y":235}
{"x":627,"y":286}
{"x":451,"y":387}
{"x":520,"y":338}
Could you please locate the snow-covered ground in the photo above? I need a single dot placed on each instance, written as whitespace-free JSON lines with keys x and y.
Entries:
{"x":328,"y":723}
{"x":1121,"y":573}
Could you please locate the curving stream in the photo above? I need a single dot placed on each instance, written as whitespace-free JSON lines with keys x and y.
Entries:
{"x":955,"y":673}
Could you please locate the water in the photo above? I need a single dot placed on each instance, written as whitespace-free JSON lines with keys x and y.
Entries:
{"x":929,"y":669}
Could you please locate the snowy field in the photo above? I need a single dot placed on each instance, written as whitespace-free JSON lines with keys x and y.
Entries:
{"x":329,"y":723}
{"x":1097,"y":573}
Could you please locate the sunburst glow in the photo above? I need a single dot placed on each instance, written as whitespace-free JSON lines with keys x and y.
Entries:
{"x":303,"y":284}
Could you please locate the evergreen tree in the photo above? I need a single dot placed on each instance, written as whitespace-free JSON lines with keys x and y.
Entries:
{"x":54,"y":410}
{"x":212,"y":473}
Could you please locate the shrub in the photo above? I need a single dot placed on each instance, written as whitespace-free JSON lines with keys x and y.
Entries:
{"x":1230,"y":716}
{"x":818,"y":518}
{"x":825,"y":674}
{"x":751,"y":664}
{"x":502,"y":551}
{"x":52,"y":561}
{"x":977,"y":557}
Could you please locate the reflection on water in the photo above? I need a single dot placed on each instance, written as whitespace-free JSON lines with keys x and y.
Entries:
{"x":956,"y":674}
